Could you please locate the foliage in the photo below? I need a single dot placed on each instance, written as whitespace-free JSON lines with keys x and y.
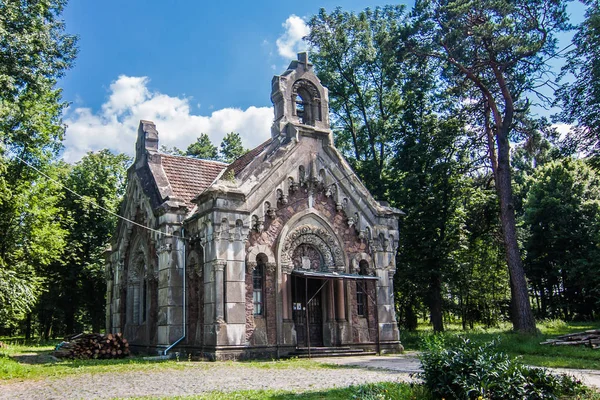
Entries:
{"x":479,"y":281}
{"x":562,"y":215}
{"x":580,"y":97}
{"x":466,"y":370}
{"x":355,"y":57}
{"x":494,"y":54}
{"x":203,"y":148}
{"x":231,"y":147}
{"x":525,"y":347}
{"x":17,"y":295}
{"x":174,"y":151}
{"x":34,"y":53}
{"x":32,"y":239}
{"x":76,"y":282}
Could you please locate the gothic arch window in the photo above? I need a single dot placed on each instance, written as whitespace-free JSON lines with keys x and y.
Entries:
{"x":258,"y":285}
{"x":306,"y":101}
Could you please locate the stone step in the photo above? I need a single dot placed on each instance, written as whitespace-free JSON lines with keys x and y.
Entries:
{"x":324,"y":349}
{"x":338,"y":354}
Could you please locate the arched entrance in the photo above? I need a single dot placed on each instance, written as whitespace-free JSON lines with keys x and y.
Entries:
{"x":308,"y":296}
{"x":312,"y":260}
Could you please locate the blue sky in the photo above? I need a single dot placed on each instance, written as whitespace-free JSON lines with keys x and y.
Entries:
{"x":191,"y":66}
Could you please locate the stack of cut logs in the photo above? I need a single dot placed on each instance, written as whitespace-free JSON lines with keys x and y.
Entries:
{"x":94,"y":345}
{"x":589,"y":338}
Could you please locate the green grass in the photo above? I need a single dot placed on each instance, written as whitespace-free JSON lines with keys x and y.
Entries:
{"x":527,"y":347}
{"x":32,"y":360}
{"x":379,"y":391}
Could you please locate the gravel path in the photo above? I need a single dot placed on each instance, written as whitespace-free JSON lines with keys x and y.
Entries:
{"x":195,"y":378}
{"x":200,"y":377}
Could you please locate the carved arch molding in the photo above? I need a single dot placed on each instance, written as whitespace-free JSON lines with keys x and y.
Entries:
{"x":321,"y":239}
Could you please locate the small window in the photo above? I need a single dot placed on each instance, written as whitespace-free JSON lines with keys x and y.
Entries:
{"x":360,"y":288}
{"x":300,"y":109}
{"x":360,"y":299}
{"x":257,"y":285}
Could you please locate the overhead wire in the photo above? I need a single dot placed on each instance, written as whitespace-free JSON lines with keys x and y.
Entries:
{"x":90,"y":201}
{"x":95,"y":204}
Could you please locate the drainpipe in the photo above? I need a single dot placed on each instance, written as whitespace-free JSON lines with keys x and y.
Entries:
{"x":184,"y":321}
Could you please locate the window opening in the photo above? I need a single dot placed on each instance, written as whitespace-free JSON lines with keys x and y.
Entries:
{"x":300,"y":109}
{"x":360,"y":290}
{"x":257,"y":285}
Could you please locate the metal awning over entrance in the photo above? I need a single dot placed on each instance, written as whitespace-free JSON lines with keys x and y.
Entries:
{"x":331,"y":275}
{"x":326,"y":277}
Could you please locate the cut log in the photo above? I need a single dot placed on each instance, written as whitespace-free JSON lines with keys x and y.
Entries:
{"x":93,"y":345}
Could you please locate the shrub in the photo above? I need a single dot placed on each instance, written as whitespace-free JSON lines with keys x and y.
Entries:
{"x":466,"y":370}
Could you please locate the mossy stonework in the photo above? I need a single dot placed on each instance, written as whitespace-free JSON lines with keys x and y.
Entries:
{"x":283,"y":248}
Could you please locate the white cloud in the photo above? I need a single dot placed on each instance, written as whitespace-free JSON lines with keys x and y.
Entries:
{"x":290,"y":42}
{"x":115,"y":125}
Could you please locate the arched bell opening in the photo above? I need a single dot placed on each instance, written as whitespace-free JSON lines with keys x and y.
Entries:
{"x":306,"y":102}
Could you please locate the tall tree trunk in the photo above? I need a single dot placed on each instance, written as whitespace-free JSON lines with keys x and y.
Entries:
{"x":435,"y":303}
{"x":28,"y":327}
{"x":522,"y":317}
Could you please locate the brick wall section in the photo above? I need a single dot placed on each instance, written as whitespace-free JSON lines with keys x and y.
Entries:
{"x":297,"y":202}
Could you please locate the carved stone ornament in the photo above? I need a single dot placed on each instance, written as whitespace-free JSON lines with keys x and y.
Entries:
{"x":250,"y":266}
{"x":220,"y":265}
{"x":270,"y":212}
{"x":287,"y":268}
{"x":164,"y":247}
{"x":271,"y":267}
{"x":321,"y":239}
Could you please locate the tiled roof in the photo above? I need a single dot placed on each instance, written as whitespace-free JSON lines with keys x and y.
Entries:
{"x":239,"y":164}
{"x":190,"y":176}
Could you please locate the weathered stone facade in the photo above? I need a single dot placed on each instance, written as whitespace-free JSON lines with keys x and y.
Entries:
{"x":281,"y":249}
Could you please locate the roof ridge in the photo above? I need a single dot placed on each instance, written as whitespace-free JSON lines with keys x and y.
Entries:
{"x":193,"y":158}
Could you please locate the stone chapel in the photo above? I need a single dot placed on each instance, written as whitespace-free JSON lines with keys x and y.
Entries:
{"x":281,"y":251}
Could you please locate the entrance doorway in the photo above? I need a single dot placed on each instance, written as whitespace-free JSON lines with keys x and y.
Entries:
{"x":303,"y":290}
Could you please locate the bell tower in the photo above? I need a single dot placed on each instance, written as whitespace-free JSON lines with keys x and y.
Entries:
{"x":301,"y":103}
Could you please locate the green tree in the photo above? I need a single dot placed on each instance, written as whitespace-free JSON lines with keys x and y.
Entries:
{"x":355,"y":57}
{"x":479,"y":282}
{"x":34,"y":53}
{"x":76,"y":287}
{"x":392,"y":120}
{"x":562,"y":215}
{"x":580,"y":98}
{"x":203,"y":148}
{"x":428,"y":164}
{"x":231,"y":147}
{"x":173,"y":151}
{"x":495,"y":53}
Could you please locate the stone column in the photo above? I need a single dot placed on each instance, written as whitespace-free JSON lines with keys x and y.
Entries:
{"x":118,"y":289}
{"x":286,"y":284}
{"x":170,"y":301}
{"x":340,"y":305}
{"x":219,"y":267}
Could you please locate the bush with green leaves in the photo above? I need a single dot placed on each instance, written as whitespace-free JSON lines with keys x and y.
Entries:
{"x":462,"y":369}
